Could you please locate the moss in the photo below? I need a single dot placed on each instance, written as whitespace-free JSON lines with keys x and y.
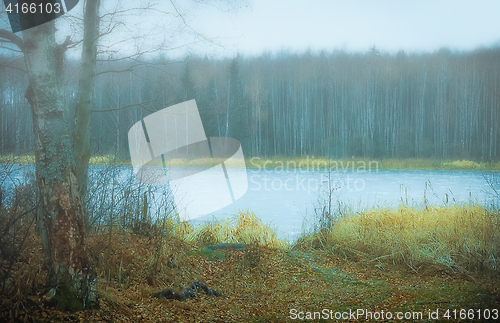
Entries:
{"x":66,"y":300}
{"x":211,"y":255}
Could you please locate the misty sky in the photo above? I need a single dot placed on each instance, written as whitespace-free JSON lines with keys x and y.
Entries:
{"x":296,"y":25}
{"x":219,"y":28}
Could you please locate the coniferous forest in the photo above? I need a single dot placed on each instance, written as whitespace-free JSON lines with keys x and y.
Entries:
{"x":427,"y":105}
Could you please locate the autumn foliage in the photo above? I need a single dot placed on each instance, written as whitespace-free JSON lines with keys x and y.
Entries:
{"x":260,"y":280}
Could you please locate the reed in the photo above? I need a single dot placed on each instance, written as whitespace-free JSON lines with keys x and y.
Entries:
{"x":244,"y":228}
{"x":458,"y":237}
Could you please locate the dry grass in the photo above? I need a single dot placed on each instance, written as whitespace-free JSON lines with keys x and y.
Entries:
{"x":363,"y":163}
{"x":245,"y":228}
{"x":311,"y":162}
{"x":17,"y":159}
{"x":458,"y":237}
{"x":107,"y":160}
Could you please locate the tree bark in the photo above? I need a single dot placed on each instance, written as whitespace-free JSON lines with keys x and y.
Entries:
{"x":60,"y":217}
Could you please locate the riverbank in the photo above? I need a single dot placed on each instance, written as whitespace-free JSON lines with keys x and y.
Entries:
{"x":460,"y":237}
{"x":367,"y":270}
{"x":366,"y":164}
{"x":307,"y":162}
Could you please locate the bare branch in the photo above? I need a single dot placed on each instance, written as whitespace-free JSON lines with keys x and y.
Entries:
{"x":117,"y":12}
{"x":14,"y":68}
{"x":2,"y":46}
{"x":10,"y":37}
{"x":187,"y":25}
{"x":141,"y":104}
{"x":110,"y":29}
{"x":130,"y":69}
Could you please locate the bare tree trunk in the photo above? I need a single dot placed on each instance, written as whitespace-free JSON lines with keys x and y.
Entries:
{"x":60,"y":218}
{"x":81,"y":136}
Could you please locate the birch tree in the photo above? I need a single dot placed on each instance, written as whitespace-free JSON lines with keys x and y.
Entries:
{"x":61,"y":222}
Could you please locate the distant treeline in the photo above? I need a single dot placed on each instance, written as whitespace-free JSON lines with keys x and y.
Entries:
{"x":435,"y":105}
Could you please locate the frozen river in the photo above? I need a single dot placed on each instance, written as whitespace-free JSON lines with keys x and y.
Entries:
{"x":288,"y":199}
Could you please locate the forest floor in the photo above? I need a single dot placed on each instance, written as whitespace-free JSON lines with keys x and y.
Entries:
{"x":261,"y":284}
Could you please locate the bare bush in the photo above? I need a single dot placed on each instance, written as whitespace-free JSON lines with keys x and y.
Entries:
{"x":492,"y":178}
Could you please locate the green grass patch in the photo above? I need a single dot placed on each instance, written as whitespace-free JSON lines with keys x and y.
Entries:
{"x":211,"y":255}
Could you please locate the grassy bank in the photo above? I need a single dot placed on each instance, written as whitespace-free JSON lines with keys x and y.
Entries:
{"x":402,"y":260}
{"x":366,"y":164}
{"x":459,"y":237}
{"x":30,"y":159}
{"x":308,"y":162}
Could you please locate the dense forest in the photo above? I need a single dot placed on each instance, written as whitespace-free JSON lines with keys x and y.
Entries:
{"x":428,"y":105}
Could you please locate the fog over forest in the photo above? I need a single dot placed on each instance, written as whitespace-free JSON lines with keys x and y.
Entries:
{"x":430,"y":105}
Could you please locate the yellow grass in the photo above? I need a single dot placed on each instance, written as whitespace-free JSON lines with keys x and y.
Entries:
{"x":465,"y":237}
{"x":15,"y":159}
{"x":243,"y":228}
{"x":103,"y":160}
{"x":359,"y":164}
{"x":301,"y":162}
{"x":188,"y":162}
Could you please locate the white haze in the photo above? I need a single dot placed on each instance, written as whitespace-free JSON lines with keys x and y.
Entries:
{"x":223,"y":28}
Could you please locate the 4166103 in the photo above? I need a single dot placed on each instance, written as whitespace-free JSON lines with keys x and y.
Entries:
{"x":33,"y":8}
{"x":471,"y":314}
